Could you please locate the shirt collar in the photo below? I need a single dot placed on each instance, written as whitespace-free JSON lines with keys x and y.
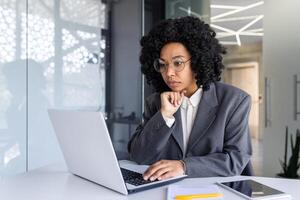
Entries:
{"x":194,"y":99}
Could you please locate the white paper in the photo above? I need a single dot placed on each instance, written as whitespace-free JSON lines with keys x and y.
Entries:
{"x":174,"y":190}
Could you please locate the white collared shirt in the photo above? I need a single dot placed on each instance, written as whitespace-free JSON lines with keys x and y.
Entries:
{"x":188,"y":111}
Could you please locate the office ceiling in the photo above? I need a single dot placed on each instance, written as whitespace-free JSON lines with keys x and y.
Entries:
{"x":237,"y":22}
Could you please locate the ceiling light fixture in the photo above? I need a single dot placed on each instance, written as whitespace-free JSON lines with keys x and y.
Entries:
{"x":223,"y":17}
{"x":243,"y":8}
{"x":228,"y":32}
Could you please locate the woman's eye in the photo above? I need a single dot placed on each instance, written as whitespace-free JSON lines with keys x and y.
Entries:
{"x":177,"y":63}
{"x":162,"y":65}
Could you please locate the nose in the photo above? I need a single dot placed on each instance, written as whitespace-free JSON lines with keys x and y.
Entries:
{"x":170,"y":71}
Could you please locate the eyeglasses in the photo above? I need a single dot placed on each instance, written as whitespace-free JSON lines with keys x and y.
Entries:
{"x":161,"y":66}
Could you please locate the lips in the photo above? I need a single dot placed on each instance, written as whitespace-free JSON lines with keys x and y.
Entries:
{"x":173,"y":83}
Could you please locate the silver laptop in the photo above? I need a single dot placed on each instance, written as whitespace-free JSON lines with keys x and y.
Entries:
{"x":89,"y":153}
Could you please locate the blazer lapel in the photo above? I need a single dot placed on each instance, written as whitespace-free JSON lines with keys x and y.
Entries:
{"x":205,"y":115}
{"x":177,"y":133}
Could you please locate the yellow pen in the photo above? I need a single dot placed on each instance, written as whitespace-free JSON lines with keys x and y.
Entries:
{"x":198,"y":196}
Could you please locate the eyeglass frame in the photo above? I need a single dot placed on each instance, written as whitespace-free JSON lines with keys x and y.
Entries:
{"x":167,"y":64}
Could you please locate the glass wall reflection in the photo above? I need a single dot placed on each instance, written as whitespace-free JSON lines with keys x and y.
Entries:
{"x":13,"y":103}
{"x":52,"y":56}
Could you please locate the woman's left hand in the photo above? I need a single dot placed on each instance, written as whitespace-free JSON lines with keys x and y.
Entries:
{"x":164,"y":169}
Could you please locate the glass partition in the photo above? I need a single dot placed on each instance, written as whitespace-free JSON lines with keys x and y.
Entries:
{"x":13,"y":86}
{"x":54,"y":57}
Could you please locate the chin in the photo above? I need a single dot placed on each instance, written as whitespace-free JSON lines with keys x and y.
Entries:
{"x":176,"y":89}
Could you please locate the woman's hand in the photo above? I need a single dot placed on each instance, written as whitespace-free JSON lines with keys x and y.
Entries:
{"x":170,"y":102}
{"x":164,"y":169}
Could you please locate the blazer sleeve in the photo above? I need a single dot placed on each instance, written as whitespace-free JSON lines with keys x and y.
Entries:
{"x":151,"y":136}
{"x":236,"y":152}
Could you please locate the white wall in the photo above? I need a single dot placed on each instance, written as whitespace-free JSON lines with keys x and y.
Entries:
{"x":281,"y":52}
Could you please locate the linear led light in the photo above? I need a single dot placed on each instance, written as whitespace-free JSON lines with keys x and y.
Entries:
{"x":238,"y":39}
{"x":224,"y":34}
{"x":255,"y":30}
{"x":251,"y":34}
{"x":237,"y":10}
{"x":235,"y":18}
{"x":228,"y":42}
{"x":250,"y":23}
{"x":189,"y":11}
{"x":223,"y":29}
{"x":225,"y":7}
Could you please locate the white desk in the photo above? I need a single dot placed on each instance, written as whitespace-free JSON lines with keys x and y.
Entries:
{"x":55,"y":183}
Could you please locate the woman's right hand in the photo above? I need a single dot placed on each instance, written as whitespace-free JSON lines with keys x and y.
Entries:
{"x":170,"y":102}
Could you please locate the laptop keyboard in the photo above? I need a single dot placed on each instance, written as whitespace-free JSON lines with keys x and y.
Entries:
{"x":134,"y":178}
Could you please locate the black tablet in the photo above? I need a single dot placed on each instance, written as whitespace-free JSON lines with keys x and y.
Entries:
{"x":253,"y":190}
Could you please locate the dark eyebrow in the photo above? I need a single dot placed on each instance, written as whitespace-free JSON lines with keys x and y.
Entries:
{"x":179,"y":56}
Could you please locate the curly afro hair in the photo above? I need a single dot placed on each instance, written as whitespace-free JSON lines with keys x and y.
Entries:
{"x":199,"y":39}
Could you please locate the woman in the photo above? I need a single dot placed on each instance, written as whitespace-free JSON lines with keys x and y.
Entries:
{"x":193,"y":124}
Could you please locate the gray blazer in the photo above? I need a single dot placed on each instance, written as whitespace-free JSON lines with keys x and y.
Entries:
{"x":219,"y":143}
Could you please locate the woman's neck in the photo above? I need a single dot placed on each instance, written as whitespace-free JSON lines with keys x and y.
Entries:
{"x":191,"y":91}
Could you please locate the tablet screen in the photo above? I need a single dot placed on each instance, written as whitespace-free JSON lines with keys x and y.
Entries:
{"x":252,"y":188}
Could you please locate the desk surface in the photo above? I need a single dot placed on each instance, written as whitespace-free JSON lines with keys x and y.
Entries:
{"x":55,"y":183}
